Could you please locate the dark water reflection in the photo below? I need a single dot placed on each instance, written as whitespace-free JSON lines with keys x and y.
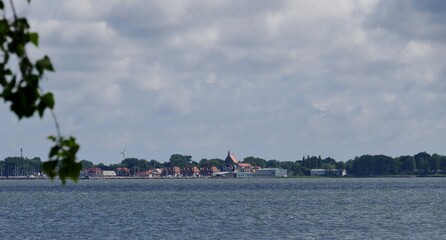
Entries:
{"x":411,"y":208}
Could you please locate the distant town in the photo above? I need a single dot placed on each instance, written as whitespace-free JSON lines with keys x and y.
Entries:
{"x":182,"y":166}
{"x":229,"y":168}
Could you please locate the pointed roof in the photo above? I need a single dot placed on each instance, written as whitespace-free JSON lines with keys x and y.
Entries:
{"x":231,"y":158}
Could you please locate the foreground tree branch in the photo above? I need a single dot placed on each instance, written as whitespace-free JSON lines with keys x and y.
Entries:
{"x":22,"y":90}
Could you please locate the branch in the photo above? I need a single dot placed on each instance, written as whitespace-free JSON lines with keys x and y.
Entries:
{"x":13,"y":9}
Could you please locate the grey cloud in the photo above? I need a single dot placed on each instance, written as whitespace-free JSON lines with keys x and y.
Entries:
{"x":275,"y":79}
{"x":422,"y":20}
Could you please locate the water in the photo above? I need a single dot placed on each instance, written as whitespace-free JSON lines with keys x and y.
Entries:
{"x":323,"y":208}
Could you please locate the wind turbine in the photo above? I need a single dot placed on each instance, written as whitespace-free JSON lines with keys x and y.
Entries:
{"x":123,"y":153}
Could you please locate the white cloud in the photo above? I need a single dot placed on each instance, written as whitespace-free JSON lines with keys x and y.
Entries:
{"x":277,"y":79}
{"x":211,"y":78}
{"x":200,"y":38}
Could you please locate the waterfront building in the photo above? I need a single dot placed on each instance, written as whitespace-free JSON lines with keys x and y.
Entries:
{"x":122,"y":172}
{"x":244,"y":167}
{"x":157,"y":172}
{"x":328,"y":172}
{"x":234,"y":168}
{"x":172,"y":172}
{"x":231,"y":163}
{"x":263,"y":173}
{"x":191,"y":171}
{"x":93,"y":172}
{"x":106,"y":173}
{"x":274,"y":172}
{"x":209,"y":171}
{"x":144,"y":174}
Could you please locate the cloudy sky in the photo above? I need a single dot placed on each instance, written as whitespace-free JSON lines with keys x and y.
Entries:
{"x":271,"y":79}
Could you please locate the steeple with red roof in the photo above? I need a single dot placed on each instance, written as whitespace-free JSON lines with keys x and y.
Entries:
{"x":231,"y":159}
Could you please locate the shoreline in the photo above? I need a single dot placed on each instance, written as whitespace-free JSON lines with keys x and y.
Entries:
{"x":207,"y":177}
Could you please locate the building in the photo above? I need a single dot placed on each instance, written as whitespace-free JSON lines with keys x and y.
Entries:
{"x":108,"y":173}
{"x":157,"y":172}
{"x":244,"y":167}
{"x":172,"y":172}
{"x":234,"y":168}
{"x":274,"y":172}
{"x":144,"y":174}
{"x":190,"y":171}
{"x":94,"y":172}
{"x":328,"y":172}
{"x":231,"y":163}
{"x":209,"y":171}
{"x":263,"y":173}
{"x":122,"y":172}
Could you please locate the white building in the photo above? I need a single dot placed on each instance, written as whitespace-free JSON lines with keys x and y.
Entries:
{"x":263,"y":173}
{"x":108,"y":173}
{"x":275,"y":172}
{"x":328,"y":172}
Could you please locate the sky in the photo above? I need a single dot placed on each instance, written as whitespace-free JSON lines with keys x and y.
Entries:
{"x":263,"y":78}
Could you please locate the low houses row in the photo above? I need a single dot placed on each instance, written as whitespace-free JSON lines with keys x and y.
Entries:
{"x":164,"y":172}
{"x":231,"y":168}
{"x":189,"y":171}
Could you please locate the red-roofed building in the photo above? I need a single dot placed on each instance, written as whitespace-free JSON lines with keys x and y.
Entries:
{"x":172,"y":171}
{"x":157,"y":172}
{"x":231,"y":163}
{"x":147,"y":173}
{"x":94,"y":172}
{"x":231,"y":159}
{"x":209,"y":171}
{"x":191,"y":172}
{"x":122,"y":172}
{"x":244,"y":167}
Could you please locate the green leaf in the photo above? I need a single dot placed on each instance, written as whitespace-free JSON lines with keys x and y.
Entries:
{"x":54,"y":151}
{"x":34,"y":38}
{"x":49,"y":168}
{"x":4,"y":27}
{"x":48,"y":100}
{"x":52,"y":138}
{"x":64,"y":154}
{"x":44,"y":64}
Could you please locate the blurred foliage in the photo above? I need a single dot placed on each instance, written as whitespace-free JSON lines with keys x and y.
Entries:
{"x":22,"y":89}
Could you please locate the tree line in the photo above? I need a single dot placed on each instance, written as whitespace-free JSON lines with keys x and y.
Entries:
{"x":363,"y":166}
{"x":19,"y":166}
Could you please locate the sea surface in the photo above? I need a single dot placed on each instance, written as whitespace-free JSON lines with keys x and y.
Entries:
{"x":302,"y":208}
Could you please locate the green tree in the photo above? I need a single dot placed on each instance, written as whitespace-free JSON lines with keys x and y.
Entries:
{"x":23,"y":92}
{"x":408,"y":164}
{"x":255,"y":161}
{"x":86,"y":164}
{"x":272,"y":164}
{"x":312,"y":162}
{"x":292,"y":167}
{"x":434,"y":162}
{"x":155,"y":164}
{"x":178,"y":160}
{"x":422,"y":161}
{"x":105,"y":167}
{"x":20,"y":166}
{"x":340,"y":165}
{"x":130,"y":162}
